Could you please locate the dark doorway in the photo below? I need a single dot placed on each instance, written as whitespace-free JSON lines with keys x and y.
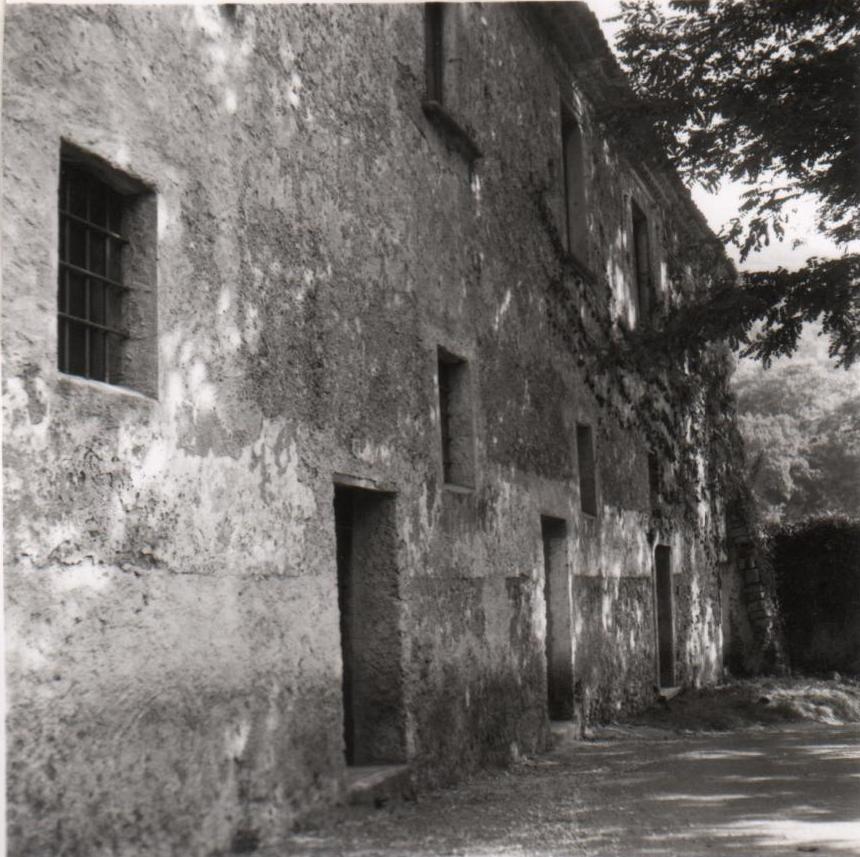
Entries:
{"x":368,"y":597}
{"x":665,"y":623}
{"x":559,"y":636}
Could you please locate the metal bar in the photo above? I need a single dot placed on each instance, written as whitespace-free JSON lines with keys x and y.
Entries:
{"x":87,"y":308}
{"x":78,"y":320}
{"x":86,"y":273}
{"x":105,"y":301}
{"x":84,"y":222}
{"x":66,"y":286}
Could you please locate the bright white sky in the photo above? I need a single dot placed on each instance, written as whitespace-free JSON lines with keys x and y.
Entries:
{"x":719,"y":208}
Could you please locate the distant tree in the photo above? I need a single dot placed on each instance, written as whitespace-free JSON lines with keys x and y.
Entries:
{"x":763,"y":92}
{"x":801,"y":426}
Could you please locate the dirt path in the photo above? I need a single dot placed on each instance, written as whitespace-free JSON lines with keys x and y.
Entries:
{"x":783,"y":790}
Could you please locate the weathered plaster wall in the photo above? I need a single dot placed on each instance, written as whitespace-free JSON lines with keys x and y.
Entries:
{"x":173,"y":651}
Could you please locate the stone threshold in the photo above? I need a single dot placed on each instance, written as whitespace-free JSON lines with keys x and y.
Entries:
{"x":376,"y":785}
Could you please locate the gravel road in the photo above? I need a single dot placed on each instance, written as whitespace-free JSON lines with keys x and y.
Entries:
{"x":778,"y":790}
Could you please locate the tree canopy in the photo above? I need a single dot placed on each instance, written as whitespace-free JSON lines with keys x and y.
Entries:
{"x":764,"y":92}
{"x":801,"y":425}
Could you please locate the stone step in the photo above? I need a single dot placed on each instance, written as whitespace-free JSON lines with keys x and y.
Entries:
{"x":377,"y":785}
{"x":564,"y":733}
{"x":666,"y":693}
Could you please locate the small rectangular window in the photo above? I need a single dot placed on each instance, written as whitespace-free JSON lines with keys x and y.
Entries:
{"x":106,"y":282}
{"x":455,"y":420}
{"x":642,"y":276}
{"x":587,"y":471}
{"x":573,"y":169}
{"x":434,"y":22}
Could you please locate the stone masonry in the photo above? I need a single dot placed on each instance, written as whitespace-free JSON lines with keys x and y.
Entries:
{"x":359,"y":461}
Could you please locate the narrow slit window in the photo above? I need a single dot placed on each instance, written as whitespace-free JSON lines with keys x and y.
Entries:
{"x":434,"y":23}
{"x":642,"y":275}
{"x":455,"y":420}
{"x":587,"y":472}
{"x":573,"y":177}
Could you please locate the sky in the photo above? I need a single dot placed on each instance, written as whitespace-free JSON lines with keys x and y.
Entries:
{"x":719,"y":208}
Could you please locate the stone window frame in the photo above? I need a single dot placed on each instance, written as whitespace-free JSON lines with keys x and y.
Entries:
{"x":134,"y":363}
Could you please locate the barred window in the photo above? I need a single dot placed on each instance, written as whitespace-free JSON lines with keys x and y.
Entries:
{"x":91,"y":290}
{"x":105,"y":289}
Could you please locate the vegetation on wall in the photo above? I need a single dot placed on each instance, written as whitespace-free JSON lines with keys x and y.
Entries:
{"x":683,"y":409}
{"x":764,"y":92}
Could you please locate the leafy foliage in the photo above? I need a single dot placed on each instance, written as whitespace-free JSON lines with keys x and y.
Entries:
{"x":764,"y":92}
{"x":801,"y":427}
{"x":817,"y":563}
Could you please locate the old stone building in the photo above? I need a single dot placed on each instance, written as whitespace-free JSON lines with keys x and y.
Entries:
{"x":324,"y":446}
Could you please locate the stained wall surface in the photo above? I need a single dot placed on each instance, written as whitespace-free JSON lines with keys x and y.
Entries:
{"x":173,"y":650}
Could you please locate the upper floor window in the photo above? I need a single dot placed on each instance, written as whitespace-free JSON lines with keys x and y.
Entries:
{"x":643,"y":281}
{"x":573,"y":177}
{"x":434,"y":26}
{"x":442,"y":31}
{"x":106,"y":284}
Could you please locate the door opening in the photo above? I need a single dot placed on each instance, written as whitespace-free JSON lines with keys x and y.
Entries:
{"x":559,"y":636}
{"x":368,"y":597}
{"x":665,"y":622}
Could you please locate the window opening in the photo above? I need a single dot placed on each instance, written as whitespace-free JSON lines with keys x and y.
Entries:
{"x":434,"y":22}
{"x":91,"y":291}
{"x":574,"y":185}
{"x":455,"y":420}
{"x":587,"y":473}
{"x":642,"y":265}
{"x":106,"y":274}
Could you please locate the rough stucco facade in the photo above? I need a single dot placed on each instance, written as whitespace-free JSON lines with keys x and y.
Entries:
{"x":174,"y":652}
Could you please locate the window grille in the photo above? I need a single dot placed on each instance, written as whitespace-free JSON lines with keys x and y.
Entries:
{"x":91,"y":293}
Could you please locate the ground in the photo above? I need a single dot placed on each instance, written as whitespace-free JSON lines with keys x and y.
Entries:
{"x":784,"y":779}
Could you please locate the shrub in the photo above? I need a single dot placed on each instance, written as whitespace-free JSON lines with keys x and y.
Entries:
{"x":817,"y":567}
